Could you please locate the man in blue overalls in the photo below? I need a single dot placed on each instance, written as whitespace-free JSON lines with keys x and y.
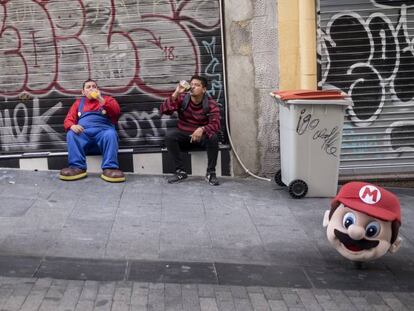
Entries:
{"x":90,"y":126}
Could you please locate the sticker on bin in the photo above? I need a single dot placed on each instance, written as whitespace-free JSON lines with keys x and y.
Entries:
{"x":309,"y":94}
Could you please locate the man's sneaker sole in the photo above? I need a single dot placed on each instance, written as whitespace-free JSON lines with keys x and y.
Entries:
{"x":74,"y":177}
{"x":210,"y":183}
{"x":176,"y":181}
{"x":113,"y":179}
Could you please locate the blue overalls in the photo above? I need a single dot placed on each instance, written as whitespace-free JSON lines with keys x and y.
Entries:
{"x":99,"y":137}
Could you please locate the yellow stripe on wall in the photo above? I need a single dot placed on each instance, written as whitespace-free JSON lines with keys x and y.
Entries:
{"x":297,"y":44}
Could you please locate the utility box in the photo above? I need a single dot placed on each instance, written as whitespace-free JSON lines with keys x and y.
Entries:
{"x":310,"y":125}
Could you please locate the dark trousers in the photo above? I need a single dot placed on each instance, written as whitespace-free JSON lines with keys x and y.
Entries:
{"x":178,"y":141}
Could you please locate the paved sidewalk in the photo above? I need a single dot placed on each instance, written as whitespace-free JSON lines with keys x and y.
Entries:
{"x":241,"y":221}
{"x":149,"y":236}
{"x":65,"y":295}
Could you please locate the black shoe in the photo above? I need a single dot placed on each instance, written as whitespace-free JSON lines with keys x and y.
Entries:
{"x":211,"y":178}
{"x":179,"y":176}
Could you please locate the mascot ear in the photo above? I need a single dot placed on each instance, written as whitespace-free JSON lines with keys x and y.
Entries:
{"x":395,"y":246}
{"x":326,"y":218}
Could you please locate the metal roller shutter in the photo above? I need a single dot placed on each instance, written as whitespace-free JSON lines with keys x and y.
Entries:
{"x":365,"y":48}
{"x":137,"y":50}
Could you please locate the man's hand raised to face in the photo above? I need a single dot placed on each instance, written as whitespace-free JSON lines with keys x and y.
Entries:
{"x":180,"y":89}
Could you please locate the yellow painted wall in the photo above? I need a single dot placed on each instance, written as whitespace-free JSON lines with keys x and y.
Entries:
{"x":297,"y":44}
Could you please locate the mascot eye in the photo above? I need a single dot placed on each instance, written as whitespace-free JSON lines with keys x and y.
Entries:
{"x":349,"y":219}
{"x":372,"y":229}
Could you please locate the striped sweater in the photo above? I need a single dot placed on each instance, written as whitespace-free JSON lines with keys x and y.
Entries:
{"x":194,"y":116}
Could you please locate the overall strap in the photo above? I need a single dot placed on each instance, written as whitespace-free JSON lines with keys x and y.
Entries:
{"x":80,"y":107}
{"x":101,"y":110}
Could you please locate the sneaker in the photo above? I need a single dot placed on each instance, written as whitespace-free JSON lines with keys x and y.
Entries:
{"x":179,"y":176}
{"x":211,"y":178}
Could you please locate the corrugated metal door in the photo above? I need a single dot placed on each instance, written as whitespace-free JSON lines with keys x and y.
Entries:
{"x":137,"y":50}
{"x":366,"y":49}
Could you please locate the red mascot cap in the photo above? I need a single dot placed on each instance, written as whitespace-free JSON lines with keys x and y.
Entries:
{"x":369,"y":199}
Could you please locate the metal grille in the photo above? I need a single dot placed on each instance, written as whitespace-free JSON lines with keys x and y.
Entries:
{"x":365,"y":49}
{"x":136,"y":50}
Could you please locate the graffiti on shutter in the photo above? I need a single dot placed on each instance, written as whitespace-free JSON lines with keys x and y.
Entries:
{"x":366,"y":49}
{"x":137,"y":50}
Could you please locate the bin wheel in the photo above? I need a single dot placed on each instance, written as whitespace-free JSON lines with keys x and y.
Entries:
{"x":278,"y":178}
{"x":298,"y":189}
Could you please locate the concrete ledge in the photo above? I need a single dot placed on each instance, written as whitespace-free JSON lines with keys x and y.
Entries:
{"x":154,"y":161}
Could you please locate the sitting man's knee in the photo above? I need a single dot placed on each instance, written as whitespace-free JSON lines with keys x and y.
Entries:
{"x":213,"y":140}
{"x":70,"y":135}
{"x":110,"y":133}
{"x":170,"y":136}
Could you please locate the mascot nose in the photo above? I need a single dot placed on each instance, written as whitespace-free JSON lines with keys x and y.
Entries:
{"x":356,"y":232}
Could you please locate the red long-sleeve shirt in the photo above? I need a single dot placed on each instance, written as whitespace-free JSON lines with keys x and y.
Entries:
{"x":110,"y":105}
{"x":193,"y":117}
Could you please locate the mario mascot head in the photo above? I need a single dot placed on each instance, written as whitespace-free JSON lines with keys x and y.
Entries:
{"x":363,"y":222}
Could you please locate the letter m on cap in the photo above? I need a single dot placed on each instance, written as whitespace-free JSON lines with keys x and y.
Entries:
{"x":370,"y":194}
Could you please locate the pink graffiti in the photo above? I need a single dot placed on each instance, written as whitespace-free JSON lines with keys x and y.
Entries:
{"x":48,"y":45}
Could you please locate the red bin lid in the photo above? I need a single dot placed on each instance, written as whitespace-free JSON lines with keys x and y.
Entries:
{"x":309,"y":94}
